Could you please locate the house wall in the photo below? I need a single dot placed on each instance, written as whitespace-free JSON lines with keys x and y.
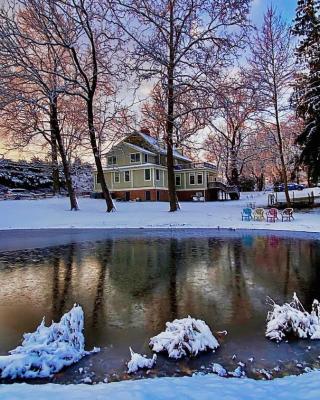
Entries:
{"x":123,"y":154}
{"x":137,"y":179}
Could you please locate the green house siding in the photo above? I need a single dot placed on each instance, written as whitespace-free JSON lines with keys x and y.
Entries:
{"x":137,"y":179}
{"x":123,"y":157}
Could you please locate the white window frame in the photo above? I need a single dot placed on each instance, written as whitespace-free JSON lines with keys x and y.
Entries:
{"x":194,"y":177}
{"x":147,"y":180}
{"x":124,"y":176}
{"x":113,"y":158}
{"x":157,"y":172}
{"x":114,"y":177}
{"x":178,"y":176}
{"x":199,"y":174}
{"x":135,"y":157}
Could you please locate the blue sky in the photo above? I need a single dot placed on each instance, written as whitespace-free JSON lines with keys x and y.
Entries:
{"x":285,"y":7}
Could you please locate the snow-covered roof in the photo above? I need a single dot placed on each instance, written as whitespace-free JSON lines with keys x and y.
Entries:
{"x":155,"y":144}
{"x":138,"y":148}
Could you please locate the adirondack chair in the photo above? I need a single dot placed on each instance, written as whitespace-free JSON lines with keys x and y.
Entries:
{"x":258,"y":214}
{"x":272,"y":215}
{"x":246,"y":214}
{"x":287,"y":214}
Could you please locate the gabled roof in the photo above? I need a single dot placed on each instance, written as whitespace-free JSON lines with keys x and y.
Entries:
{"x":159,"y":149}
{"x":138,"y":148}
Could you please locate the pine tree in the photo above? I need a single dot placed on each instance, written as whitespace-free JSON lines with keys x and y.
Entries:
{"x":307,"y":29}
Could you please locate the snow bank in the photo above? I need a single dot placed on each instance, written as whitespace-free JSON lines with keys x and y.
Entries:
{"x":138,"y":361}
{"x":54,"y":213}
{"x":293,"y":319}
{"x":207,"y":387}
{"x":48,"y":349}
{"x":184,"y":336}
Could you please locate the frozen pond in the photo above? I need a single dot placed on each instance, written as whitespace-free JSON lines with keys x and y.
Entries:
{"x":130,"y":285}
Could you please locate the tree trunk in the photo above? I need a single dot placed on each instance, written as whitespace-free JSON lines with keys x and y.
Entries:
{"x":97,"y":158}
{"x":66,"y":168}
{"x":54,"y":163}
{"x":283,"y":164}
{"x":234,"y":180}
{"x":170,"y":121}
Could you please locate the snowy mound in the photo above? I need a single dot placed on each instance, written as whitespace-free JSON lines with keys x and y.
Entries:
{"x":184,"y":336}
{"x":138,"y":361}
{"x":293,"y":319}
{"x":48,"y":349}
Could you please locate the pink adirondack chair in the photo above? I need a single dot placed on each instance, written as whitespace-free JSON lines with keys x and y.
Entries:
{"x":272,"y":215}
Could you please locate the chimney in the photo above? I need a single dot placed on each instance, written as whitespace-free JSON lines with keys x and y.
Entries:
{"x":144,"y":130}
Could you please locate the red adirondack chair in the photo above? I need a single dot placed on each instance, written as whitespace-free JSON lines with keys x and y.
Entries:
{"x":272,"y":215}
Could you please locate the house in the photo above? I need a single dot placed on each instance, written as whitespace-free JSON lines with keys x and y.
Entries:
{"x":135,"y":168}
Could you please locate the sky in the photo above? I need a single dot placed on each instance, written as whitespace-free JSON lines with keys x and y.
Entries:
{"x":285,"y":7}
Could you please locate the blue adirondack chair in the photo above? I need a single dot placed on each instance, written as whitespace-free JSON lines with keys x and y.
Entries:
{"x":246,"y":214}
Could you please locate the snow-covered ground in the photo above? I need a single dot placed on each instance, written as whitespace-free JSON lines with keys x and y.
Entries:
{"x":303,"y":387}
{"x":54,"y":213}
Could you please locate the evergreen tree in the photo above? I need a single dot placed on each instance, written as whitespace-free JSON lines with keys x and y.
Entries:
{"x":307,"y":29}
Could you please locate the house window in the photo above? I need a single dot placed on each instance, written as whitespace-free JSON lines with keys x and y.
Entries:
{"x":178,"y":180}
{"x":116,"y":177}
{"x":157,"y":175}
{"x":112,"y":160}
{"x":146,"y":158}
{"x":135,"y":157}
{"x":200,"y":179}
{"x":147,"y":175}
{"x":191,"y":179}
{"x":127,"y":176}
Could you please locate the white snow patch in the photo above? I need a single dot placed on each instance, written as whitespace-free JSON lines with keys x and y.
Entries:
{"x":48,"y":349}
{"x":219,"y":370}
{"x":206,"y":387}
{"x":237,"y":373}
{"x":138,"y":361}
{"x":184,"y":336}
{"x":292,"y":318}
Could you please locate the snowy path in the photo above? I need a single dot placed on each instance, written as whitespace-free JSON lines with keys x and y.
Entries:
{"x":303,"y":387}
{"x":54,"y":213}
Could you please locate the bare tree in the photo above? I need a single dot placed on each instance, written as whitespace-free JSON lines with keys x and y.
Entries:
{"x":232,"y":121}
{"x":28,"y":79}
{"x":272,"y":69}
{"x":83,"y":30}
{"x":171,"y":43}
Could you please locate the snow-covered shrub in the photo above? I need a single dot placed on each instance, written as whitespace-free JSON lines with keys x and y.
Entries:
{"x":184,"y":336}
{"x":293,"y":319}
{"x":48,"y":349}
{"x":138,"y":361}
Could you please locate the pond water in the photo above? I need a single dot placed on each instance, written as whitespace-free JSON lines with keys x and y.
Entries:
{"x":130,"y":286}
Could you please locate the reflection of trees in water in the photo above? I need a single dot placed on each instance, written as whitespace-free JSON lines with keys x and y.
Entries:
{"x":139,"y":265}
{"x":104,"y":258}
{"x":240,"y":299}
{"x":62,"y":268}
{"x":314,"y":282}
{"x":151,"y":281}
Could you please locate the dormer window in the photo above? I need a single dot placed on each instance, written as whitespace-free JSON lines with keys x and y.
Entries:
{"x":112,"y":160}
{"x":135,"y":157}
